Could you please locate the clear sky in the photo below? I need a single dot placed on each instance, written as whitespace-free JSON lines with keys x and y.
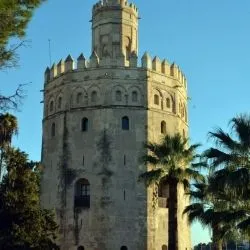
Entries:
{"x":210,"y":40}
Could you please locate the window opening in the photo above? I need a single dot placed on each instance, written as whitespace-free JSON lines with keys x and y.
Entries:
{"x":82,"y":193}
{"x":80,"y":248}
{"x":183,"y":134}
{"x":124,"y":248}
{"x":124,"y":195}
{"x":51,"y":106}
{"x":53,"y":129}
{"x":124,"y":160}
{"x":79,"y":98}
{"x":118,"y":95}
{"x":59,"y":106}
{"x":83,"y":160}
{"x":125,"y":123}
{"x":94,"y":96}
{"x":85,"y":124}
{"x":168,"y":102}
{"x":156,"y":100}
{"x":164,"y":247}
{"x":163,"y":127}
{"x":134,"y":96}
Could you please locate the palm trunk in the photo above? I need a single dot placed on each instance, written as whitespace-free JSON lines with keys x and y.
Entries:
{"x":172,"y":216}
{"x":217,"y":243}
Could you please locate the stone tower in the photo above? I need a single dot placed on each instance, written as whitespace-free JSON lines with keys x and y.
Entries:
{"x":97,"y":115}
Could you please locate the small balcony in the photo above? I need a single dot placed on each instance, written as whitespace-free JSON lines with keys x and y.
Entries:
{"x":162,"y":202}
{"x":82,"y":201}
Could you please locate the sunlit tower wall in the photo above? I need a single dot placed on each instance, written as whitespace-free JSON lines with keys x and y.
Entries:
{"x":98,"y":113}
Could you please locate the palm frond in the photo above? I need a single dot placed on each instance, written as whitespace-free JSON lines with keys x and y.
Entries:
{"x":153,"y":176}
{"x":217,"y":157}
{"x":241,"y":126}
{"x":223,"y":139}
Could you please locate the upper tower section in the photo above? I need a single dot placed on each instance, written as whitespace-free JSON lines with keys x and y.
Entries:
{"x":115,"y":32}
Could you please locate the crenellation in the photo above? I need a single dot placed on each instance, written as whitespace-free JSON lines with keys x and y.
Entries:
{"x":53,"y":71}
{"x":133,"y":60}
{"x":47,"y":75}
{"x":156,"y":64}
{"x":114,"y":3}
{"x":93,"y":60}
{"x":69,"y":63}
{"x":165,"y":67}
{"x":146,"y":61}
{"x":60,"y":67}
{"x":81,"y":62}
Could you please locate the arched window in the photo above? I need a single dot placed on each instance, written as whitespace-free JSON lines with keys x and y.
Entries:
{"x":125,"y":123}
{"x":156,"y":100}
{"x":94,"y":96}
{"x":83,"y":160}
{"x":124,"y":248}
{"x":163,"y":127}
{"x":118,"y":95}
{"x":51,"y":106}
{"x":85,"y":124}
{"x":53,"y":129}
{"x":79,"y":98}
{"x":80,"y":248}
{"x":59,"y":104}
{"x":183,"y":133}
{"x":168,"y":102}
{"x":127,"y":43}
{"x":164,"y":247}
{"x":82,"y":193}
{"x":134,"y":96}
{"x":163,"y":194}
{"x":185,"y":113}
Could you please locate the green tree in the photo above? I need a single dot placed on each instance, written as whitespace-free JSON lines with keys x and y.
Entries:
{"x":14,"y":17}
{"x":223,"y":202}
{"x":229,"y":162}
{"x":24,"y":225}
{"x":170,"y":161}
{"x":209,"y":209}
{"x":8,"y":128}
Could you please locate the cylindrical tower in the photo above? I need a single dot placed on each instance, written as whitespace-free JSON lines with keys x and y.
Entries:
{"x":98,"y":113}
{"x":115,"y":31}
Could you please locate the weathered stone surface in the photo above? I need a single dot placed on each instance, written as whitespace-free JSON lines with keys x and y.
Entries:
{"x":122,"y":211}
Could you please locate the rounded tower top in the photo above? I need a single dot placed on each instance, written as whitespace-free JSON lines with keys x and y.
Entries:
{"x":115,"y":31}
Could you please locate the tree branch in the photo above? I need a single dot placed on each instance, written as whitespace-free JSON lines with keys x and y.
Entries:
{"x":12,"y":102}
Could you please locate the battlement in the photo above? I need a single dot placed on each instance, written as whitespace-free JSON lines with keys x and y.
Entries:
{"x":163,"y":67}
{"x":155,"y":65}
{"x":114,"y":3}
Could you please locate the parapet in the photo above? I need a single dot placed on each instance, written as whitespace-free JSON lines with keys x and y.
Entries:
{"x":156,"y":65}
{"x":114,"y":3}
{"x":163,"y":67}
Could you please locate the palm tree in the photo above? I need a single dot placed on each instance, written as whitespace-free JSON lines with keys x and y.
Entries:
{"x":212,"y":210}
{"x":223,"y":202}
{"x":8,"y":128}
{"x":169,"y":161}
{"x":230,"y":167}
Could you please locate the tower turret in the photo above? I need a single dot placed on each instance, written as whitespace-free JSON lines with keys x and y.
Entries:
{"x":115,"y":31}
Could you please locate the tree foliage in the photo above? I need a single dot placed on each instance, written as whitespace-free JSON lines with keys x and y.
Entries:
{"x":8,"y":128}
{"x":171,"y":163}
{"x":24,"y":225}
{"x":223,"y":201}
{"x":14,"y":18}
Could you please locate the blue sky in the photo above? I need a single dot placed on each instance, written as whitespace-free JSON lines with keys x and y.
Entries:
{"x":208,"y":39}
